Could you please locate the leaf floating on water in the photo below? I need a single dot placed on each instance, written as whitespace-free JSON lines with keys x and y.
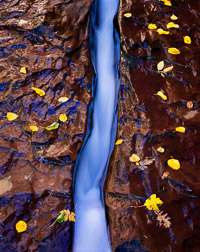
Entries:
{"x":187,"y":40}
{"x":160,"y":93}
{"x":152,"y":202}
{"x":161,"y":31}
{"x":152,"y":26}
{"x":174,"y":164}
{"x":63,"y":99}
{"x":119,"y":141}
{"x":11,"y":116}
{"x":128,"y":15}
{"x":160,"y":65}
{"x":180,"y":129}
{"x":134,"y":158}
{"x":33,"y":128}
{"x":39,"y":91}
{"x":190,"y":104}
{"x":160,"y":149}
{"x":173,"y":50}
{"x":173,"y":17}
{"x":53,"y":126}
{"x":63,"y":118}
{"x":168,"y":69}
{"x":21,"y":226}
{"x":23,"y":70}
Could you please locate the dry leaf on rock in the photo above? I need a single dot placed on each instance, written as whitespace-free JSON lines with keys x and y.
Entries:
{"x":11,"y":116}
{"x":163,"y":219}
{"x":174,"y":163}
{"x":21,"y":226}
{"x":39,"y":91}
{"x":134,"y":158}
{"x":119,"y":141}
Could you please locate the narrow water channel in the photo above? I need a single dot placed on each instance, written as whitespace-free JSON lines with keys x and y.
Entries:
{"x":91,"y":232}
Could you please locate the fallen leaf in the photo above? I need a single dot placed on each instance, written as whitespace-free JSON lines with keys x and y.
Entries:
{"x":53,"y":126}
{"x":187,"y":40}
{"x":134,"y":158}
{"x":67,"y":213}
{"x":119,"y":141}
{"x":160,"y":65}
{"x":143,"y":164}
{"x":173,"y":17}
{"x":21,"y":226}
{"x":163,"y":219}
{"x":72,"y":216}
{"x":128,"y":15}
{"x":23,"y":70}
{"x":174,"y":164}
{"x":152,"y":26}
{"x":11,"y":116}
{"x":152,"y":202}
{"x":63,"y":118}
{"x":160,"y":149}
{"x":168,"y":3}
{"x":180,"y":129}
{"x":39,"y":91}
{"x":165,"y":175}
{"x":172,"y":25}
{"x":160,"y":93}
{"x":63,"y":99}
{"x":173,"y":50}
{"x":190,"y":104}
{"x":33,"y":128}
{"x":161,"y":31}
{"x":167,"y":69}
{"x":162,"y":75}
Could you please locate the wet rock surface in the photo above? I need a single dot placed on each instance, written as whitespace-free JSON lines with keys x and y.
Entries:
{"x":147,"y":122}
{"x":50,"y":39}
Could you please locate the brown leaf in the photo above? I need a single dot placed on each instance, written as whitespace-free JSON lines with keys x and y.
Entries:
{"x":163,"y":219}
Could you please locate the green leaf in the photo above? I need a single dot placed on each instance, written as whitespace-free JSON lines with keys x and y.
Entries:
{"x":60,"y":218}
{"x":53,"y":126}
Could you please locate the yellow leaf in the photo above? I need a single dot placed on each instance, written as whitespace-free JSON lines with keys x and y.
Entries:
{"x":11,"y":116}
{"x":174,"y":164}
{"x":128,"y":15}
{"x":160,"y":149}
{"x":173,"y":50}
{"x":63,"y":118}
{"x":160,"y":93}
{"x":119,"y":141}
{"x":134,"y":158}
{"x":152,"y":202}
{"x":180,"y":129}
{"x":137,"y":163}
{"x":187,"y":40}
{"x":168,"y":69}
{"x":33,"y":128}
{"x":63,"y":99}
{"x":66,"y":214}
{"x":161,"y":31}
{"x":72,"y":216}
{"x":190,"y":104}
{"x":172,"y":25}
{"x":39,"y":91}
{"x":21,"y":226}
{"x":173,"y":17}
{"x":168,"y":3}
{"x":152,"y":26}
{"x":23,"y":70}
{"x":165,"y":175}
{"x":162,"y":75}
{"x":160,"y":65}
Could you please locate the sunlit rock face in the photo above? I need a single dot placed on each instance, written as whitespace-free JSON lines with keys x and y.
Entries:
{"x":146,"y":122}
{"x":50,"y":39}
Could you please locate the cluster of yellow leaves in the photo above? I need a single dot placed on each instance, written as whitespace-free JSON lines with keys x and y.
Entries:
{"x":65,"y":215}
{"x":21,"y":226}
{"x":162,"y":70}
{"x":152,"y":202}
{"x":161,"y":31}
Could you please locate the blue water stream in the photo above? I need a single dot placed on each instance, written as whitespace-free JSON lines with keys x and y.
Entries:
{"x":91,"y":233}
